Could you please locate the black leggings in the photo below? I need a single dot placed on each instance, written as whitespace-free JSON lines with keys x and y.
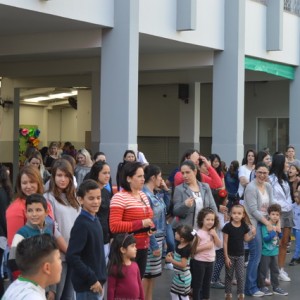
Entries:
{"x":201,"y":278}
{"x":141,"y":260}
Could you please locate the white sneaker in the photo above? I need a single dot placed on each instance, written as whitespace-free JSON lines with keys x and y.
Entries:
{"x":283,"y":276}
{"x":284,"y":272}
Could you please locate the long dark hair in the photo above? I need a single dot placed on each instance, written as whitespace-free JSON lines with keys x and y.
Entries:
{"x":151,"y":170}
{"x":187,"y":154}
{"x":277,"y":168}
{"x":96,"y":169}
{"x":5,"y":182}
{"x":233,"y":168}
{"x":193,"y":167}
{"x":64,"y":166}
{"x":115,"y":256}
{"x":212,"y":157}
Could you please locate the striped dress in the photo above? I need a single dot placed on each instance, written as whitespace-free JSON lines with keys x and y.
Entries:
{"x":181,"y":284}
{"x":127,"y":213}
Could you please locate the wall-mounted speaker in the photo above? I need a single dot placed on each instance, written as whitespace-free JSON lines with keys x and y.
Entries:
{"x":183,"y":92}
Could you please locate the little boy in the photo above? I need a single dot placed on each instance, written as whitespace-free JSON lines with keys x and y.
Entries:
{"x":38,"y":259}
{"x":85,"y":254}
{"x":270,"y":250}
{"x":36,"y":214}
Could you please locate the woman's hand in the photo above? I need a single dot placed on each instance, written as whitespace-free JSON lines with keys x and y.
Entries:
{"x":205,"y":161}
{"x":269,"y":226}
{"x":189,"y":202}
{"x":164,"y":186}
{"x":223,"y":209}
{"x":147,"y":223}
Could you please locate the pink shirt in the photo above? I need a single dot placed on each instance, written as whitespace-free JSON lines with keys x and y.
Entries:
{"x":208,"y":254}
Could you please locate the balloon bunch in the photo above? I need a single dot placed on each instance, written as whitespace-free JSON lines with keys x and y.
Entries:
{"x":31,"y":134}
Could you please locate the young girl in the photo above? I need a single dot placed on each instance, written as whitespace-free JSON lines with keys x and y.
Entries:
{"x":204,"y":253}
{"x":235,"y":233}
{"x":181,"y":284}
{"x":124,"y":281}
{"x":296,"y":229}
{"x":66,"y":208}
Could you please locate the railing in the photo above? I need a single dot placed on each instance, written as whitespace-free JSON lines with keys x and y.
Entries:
{"x":292,"y":6}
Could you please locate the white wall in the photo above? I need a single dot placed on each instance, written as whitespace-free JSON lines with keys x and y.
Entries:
{"x":255,"y":35}
{"x":158,"y":18}
{"x":93,"y":11}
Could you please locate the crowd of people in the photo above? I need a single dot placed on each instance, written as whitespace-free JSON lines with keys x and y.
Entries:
{"x":68,"y":233}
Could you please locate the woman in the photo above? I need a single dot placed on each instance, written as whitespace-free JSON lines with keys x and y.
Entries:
{"x":216,"y":164}
{"x":245,"y":172}
{"x":36,"y":160}
{"x":130,"y":211}
{"x":159,"y":202}
{"x":232,"y":183}
{"x":208,"y":173}
{"x":61,"y":196}
{"x":191,"y":196}
{"x":84,"y":164}
{"x":282,"y":196}
{"x":28,"y":182}
{"x":262,"y":156}
{"x":258,"y":197}
{"x":100,"y":172}
{"x":52,"y":155}
{"x":293,"y":175}
{"x":5,"y":198}
{"x":291,"y":156}
{"x":129,"y":156}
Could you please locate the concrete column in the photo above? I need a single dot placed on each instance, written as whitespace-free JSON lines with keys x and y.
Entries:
{"x":189,"y":131}
{"x":119,"y":83}
{"x":9,"y":126}
{"x":294,"y":112}
{"x":95,"y":133}
{"x":228,"y":86}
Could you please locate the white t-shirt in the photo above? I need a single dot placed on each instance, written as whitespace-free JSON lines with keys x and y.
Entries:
{"x":24,"y":290}
{"x":265,"y":203}
{"x":243,"y":172}
{"x":199,"y":206}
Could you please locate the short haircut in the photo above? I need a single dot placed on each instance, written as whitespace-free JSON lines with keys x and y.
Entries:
{"x":129,"y":170}
{"x":36,"y":198}
{"x":274,"y":207}
{"x":87,"y":186}
{"x":32,"y":252}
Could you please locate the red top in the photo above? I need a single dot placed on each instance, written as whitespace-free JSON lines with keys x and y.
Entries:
{"x":16,"y":218}
{"x":127,"y":213}
{"x":212,"y":179}
{"x":128,"y":287}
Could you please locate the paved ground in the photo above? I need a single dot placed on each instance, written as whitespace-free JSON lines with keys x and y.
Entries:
{"x":162,"y":286}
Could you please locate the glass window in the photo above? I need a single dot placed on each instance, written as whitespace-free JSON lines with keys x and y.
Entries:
{"x":272,"y":133}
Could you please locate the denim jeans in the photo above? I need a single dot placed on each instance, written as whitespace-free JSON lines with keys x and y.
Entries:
{"x":170,"y":239}
{"x":296,"y":233}
{"x":88,"y":296}
{"x":255,"y":249}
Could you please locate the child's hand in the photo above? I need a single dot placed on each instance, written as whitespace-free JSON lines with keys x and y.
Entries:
{"x":51,"y":295}
{"x":227,"y":262}
{"x":253,"y":230}
{"x":169,"y":257}
{"x":156,"y":252}
{"x":96,"y":288}
{"x":213,"y":232}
